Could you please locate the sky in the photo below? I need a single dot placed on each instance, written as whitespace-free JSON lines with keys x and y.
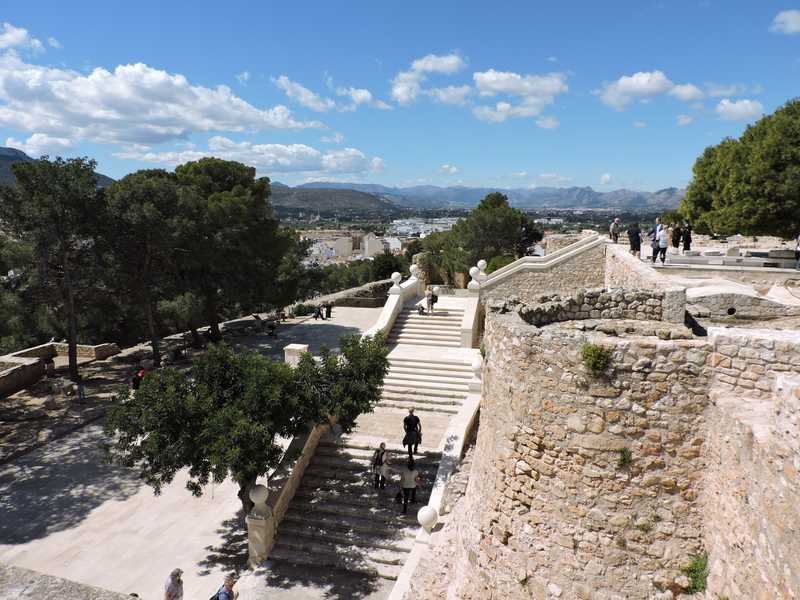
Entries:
{"x":619,"y":94}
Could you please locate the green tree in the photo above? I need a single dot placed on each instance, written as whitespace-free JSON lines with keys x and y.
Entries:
{"x":55,"y":209}
{"x":414,"y":247}
{"x":383,"y":265}
{"x":141,"y":237}
{"x":750,"y":185}
{"x":221,"y":419}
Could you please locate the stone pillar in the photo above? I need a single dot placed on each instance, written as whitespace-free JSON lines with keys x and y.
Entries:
{"x":260,"y":527}
{"x":474,"y":286}
{"x":292,"y":352}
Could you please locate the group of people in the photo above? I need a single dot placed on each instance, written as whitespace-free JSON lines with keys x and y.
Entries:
{"x":409,"y":474}
{"x":661,"y":237}
{"x":430,"y":301}
{"x":323,"y":311}
{"x":173,"y":587}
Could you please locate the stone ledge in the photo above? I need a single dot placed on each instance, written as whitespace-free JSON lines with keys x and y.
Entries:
{"x":24,"y":584}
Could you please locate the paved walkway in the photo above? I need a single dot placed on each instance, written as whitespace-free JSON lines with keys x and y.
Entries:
{"x":65,"y":512}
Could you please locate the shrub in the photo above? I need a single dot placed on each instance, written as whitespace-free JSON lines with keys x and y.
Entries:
{"x":483,"y":351}
{"x":596,"y":358}
{"x":498,"y":262}
{"x":697,"y":572}
{"x":625,"y":458}
{"x":301,"y":310}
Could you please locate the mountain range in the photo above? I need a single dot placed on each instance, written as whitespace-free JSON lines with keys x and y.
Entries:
{"x":430,"y":196}
{"x":9,"y":156}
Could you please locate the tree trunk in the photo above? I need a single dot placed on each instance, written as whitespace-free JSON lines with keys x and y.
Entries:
{"x":72,"y":324}
{"x":244,"y":495}
{"x":153,"y":331}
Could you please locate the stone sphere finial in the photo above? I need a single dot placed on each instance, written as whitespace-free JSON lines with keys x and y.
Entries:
{"x":482,"y":265}
{"x":414,"y":270}
{"x":474,"y":272}
{"x":396,"y":277}
{"x":258,"y":495}
{"x":427,"y":517}
{"x":477,"y":367}
{"x":437,"y":290}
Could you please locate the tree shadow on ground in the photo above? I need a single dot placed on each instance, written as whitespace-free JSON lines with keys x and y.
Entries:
{"x":56,"y":487}
{"x":314,"y":333}
{"x":230,"y":555}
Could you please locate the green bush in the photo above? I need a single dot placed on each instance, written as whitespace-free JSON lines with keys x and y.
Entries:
{"x":498,"y":262}
{"x":625,"y":458}
{"x":596,"y":358}
{"x":301,"y":310}
{"x":697,"y":572}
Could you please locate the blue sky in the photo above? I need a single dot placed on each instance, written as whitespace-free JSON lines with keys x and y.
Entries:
{"x":507,"y":94}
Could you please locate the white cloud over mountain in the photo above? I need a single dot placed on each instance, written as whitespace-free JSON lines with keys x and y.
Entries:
{"x":133,"y":104}
{"x":786,"y":21}
{"x":407,"y":85}
{"x":628,"y":88}
{"x":39,"y":144}
{"x":532,"y":92}
{"x":267,"y":158}
{"x":449,"y":169}
{"x":739,"y":110}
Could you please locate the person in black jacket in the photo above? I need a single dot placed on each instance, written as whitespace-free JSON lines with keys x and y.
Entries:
{"x":687,"y":236}
{"x":635,"y":239}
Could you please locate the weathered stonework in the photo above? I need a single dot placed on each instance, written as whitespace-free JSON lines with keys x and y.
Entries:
{"x":643,"y":305}
{"x":549,"y":511}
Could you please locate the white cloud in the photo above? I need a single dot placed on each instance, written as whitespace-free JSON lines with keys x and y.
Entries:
{"x":53,"y":42}
{"x":641,"y":85}
{"x":520,"y":174}
{"x":684,"y":120}
{"x":358,"y":97}
{"x":739,"y":110}
{"x":686,"y":92}
{"x":552,"y":179}
{"x":697,"y":106}
{"x":786,"y":21}
{"x":605,"y":178}
{"x":268,"y":158}
{"x":39,"y":144}
{"x":451,"y":94}
{"x":639,"y":124}
{"x":717,"y":90}
{"x":303,"y":95}
{"x":548,"y":122}
{"x":17,"y":37}
{"x":446,"y":64}
{"x":133,"y":104}
{"x":448,"y":169}
{"x":535,"y":92}
{"x":552,"y":59}
{"x":243,"y":77}
{"x":336,"y":138}
{"x":407,"y":85}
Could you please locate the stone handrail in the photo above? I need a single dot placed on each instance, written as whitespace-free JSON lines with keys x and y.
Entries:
{"x":470,"y":322}
{"x":399,"y":294}
{"x":542,"y":263}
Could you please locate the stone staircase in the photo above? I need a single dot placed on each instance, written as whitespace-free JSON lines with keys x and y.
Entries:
{"x":442,"y":328}
{"x":337,"y":520}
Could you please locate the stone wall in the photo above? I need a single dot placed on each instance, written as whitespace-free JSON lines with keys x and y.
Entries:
{"x":584,"y":270}
{"x":18,"y":374}
{"x":623,"y":270}
{"x":24,"y":584}
{"x":594,"y":304}
{"x":737,"y":306}
{"x":370,"y":295}
{"x":550,"y":512}
{"x":557,"y":241}
{"x":752,"y":488}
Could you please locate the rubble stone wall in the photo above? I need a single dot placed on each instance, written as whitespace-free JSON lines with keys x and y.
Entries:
{"x":551,"y":511}
{"x":595,"y":304}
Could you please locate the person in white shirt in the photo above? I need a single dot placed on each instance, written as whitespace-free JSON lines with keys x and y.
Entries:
{"x":409,"y":478}
{"x":662,"y":237}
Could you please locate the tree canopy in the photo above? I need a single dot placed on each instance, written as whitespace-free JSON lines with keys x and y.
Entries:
{"x":750,"y":185}
{"x":222,"y":419}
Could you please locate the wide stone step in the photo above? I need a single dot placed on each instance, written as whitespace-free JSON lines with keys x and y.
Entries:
{"x":418,"y":376}
{"x":349,"y":448}
{"x":425,"y":323}
{"x":355,"y":527}
{"x":426,"y":330}
{"x":390,"y":517}
{"x":440,"y":312}
{"x":404,"y":389}
{"x":420,"y":407}
{"x":463,"y":375}
{"x":423,"y":334}
{"x":361,"y":464}
{"x":354,"y":497}
{"x":424,"y":399}
{"x":352,"y":564}
{"x":313,"y":532}
{"x":429,"y":343}
{"x":438,"y":363}
{"x":412,"y":384}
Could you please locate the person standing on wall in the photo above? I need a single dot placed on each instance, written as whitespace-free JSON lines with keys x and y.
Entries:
{"x":409,"y":478}
{"x":687,"y":236}
{"x":413,"y":428}
{"x":613,"y":230}
{"x":635,"y":239}
{"x":380,"y":466}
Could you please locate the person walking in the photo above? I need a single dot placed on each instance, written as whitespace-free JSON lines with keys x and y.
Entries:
{"x":409,"y":478}
{"x":653,"y":235}
{"x":614,"y":229}
{"x":173,"y":586}
{"x":677,"y":235}
{"x":662,"y":239}
{"x":635,"y":239}
{"x":687,"y":236}
{"x":226,"y":592}
{"x":380,"y":466}
{"x":797,"y":252}
{"x":413,"y":428}
{"x":328,"y":309}
{"x":81,"y":389}
{"x":429,"y":300}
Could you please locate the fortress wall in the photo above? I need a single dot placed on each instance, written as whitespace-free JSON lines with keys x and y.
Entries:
{"x":751,"y":492}
{"x":596,"y":304}
{"x":549,"y":511}
{"x":585,"y":270}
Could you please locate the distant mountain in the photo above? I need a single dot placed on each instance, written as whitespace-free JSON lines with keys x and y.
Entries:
{"x":328,"y":202}
{"x":429,"y":196}
{"x":8,"y":156}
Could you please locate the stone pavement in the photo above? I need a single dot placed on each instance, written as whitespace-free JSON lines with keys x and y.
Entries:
{"x":65,"y":512}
